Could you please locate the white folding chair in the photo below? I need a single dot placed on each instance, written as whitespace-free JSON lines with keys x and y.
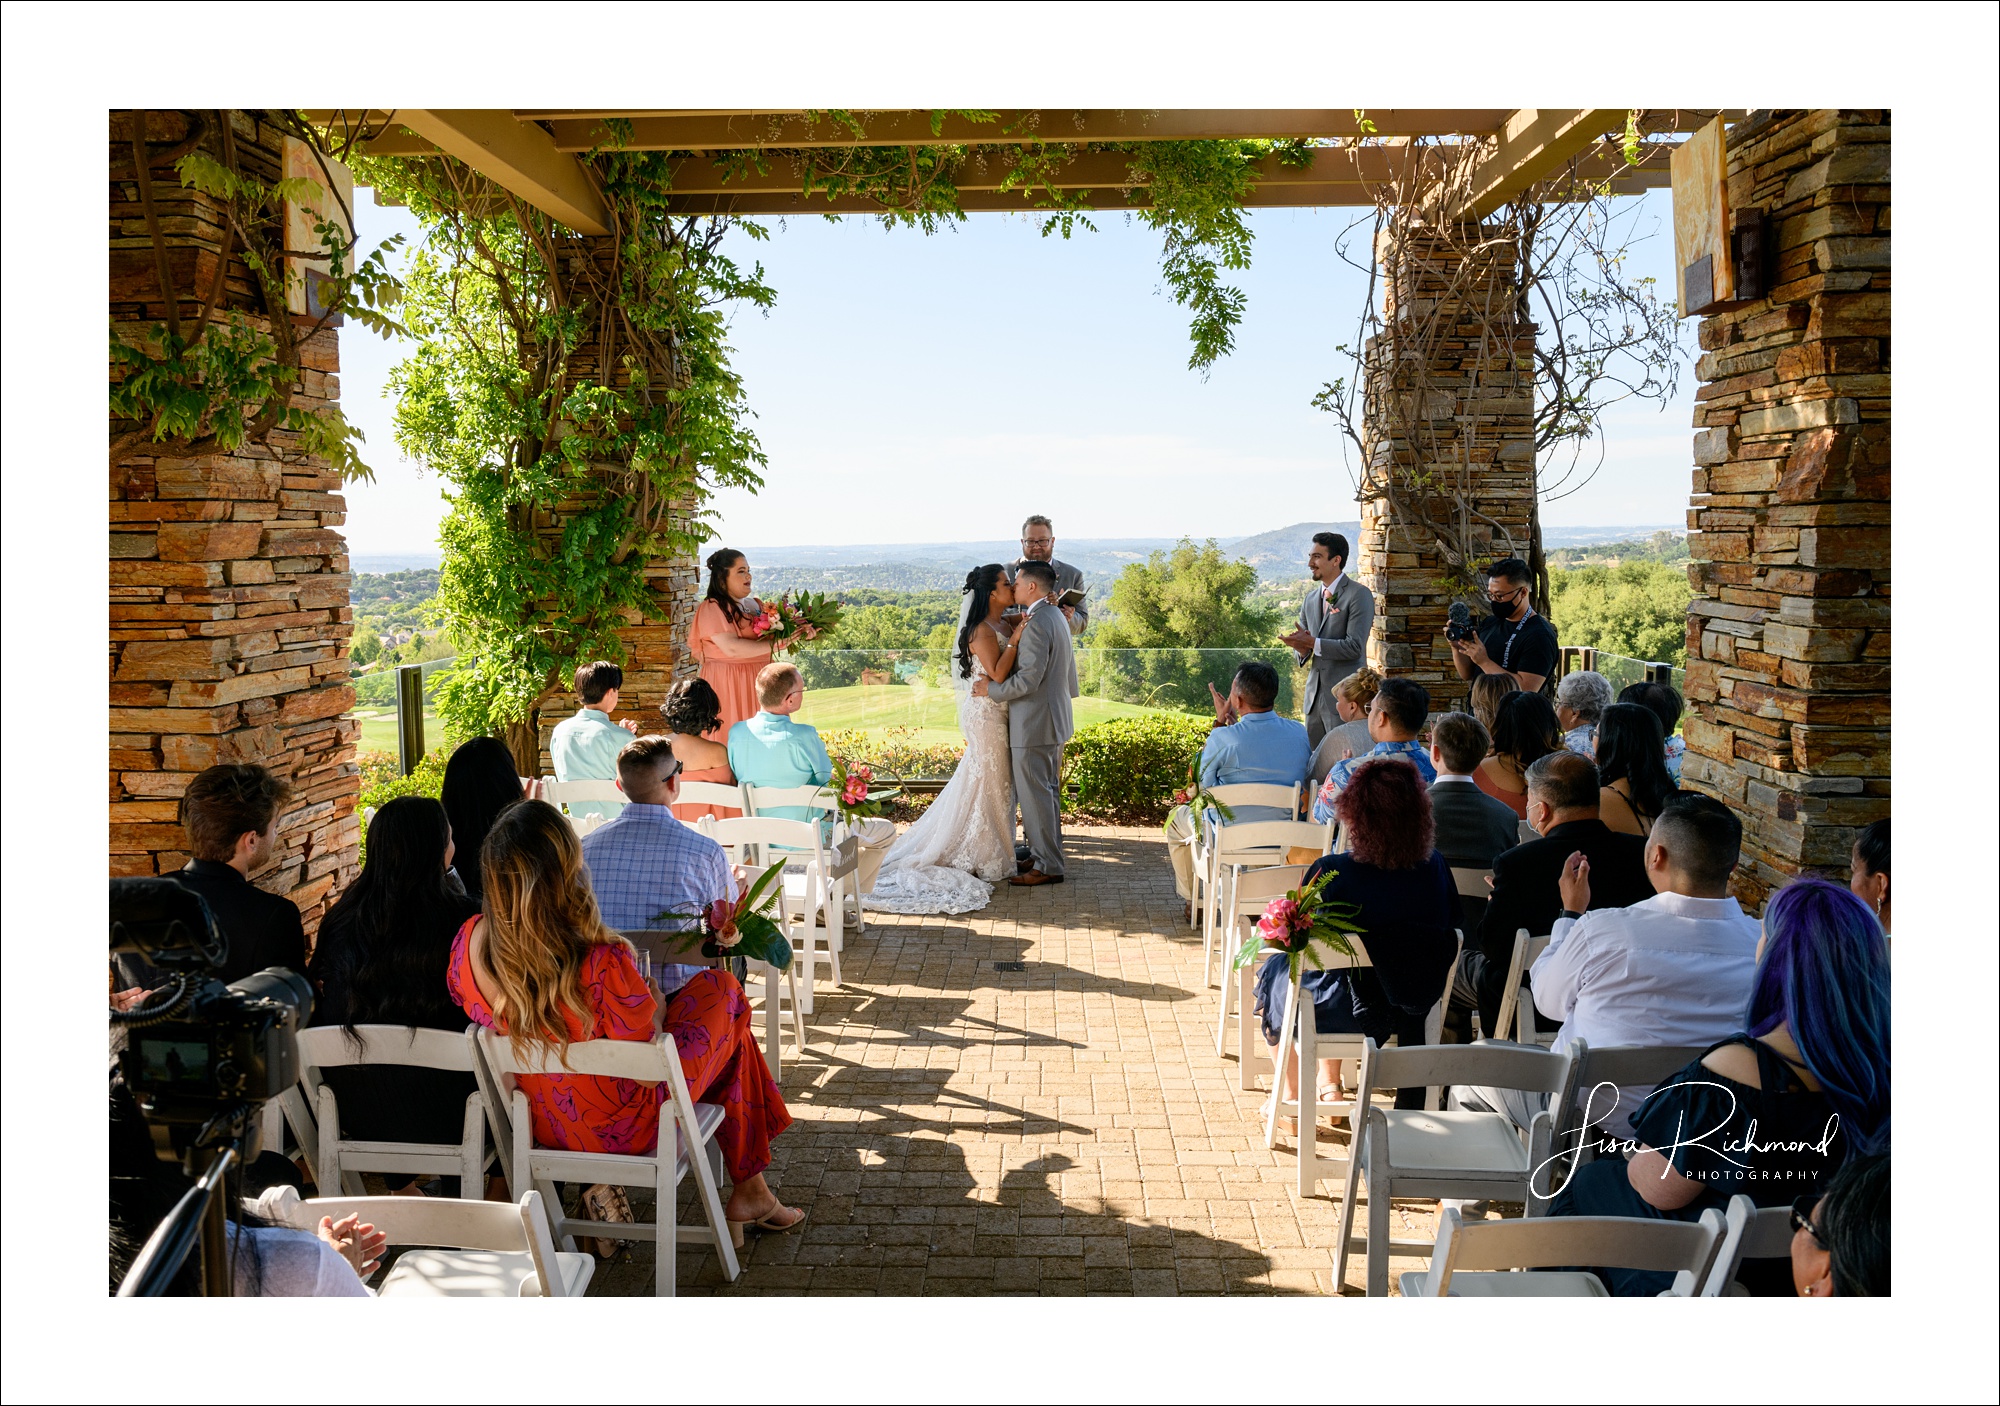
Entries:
{"x":1246,"y":793}
{"x":1515,"y":1259}
{"x":828,"y":893}
{"x":1472,"y":884}
{"x":1749,"y":1233}
{"x":709,"y":793}
{"x":656,"y":946}
{"x":1457,"y":1153}
{"x":755,"y":841}
{"x":1596,"y":1076}
{"x":563,"y":794}
{"x":1248,"y":844}
{"x":1515,"y":1014}
{"x":340,"y":1161}
{"x":1300,"y":1031}
{"x":482,"y":1249}
{"x":686,"y":1144}
{"x":1254,"y":891}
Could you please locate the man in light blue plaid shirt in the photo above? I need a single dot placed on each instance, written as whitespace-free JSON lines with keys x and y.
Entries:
{"x":643,"y":862}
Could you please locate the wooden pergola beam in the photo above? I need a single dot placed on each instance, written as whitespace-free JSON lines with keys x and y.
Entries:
{"x":1532,"y":144}
{"x":517,"y":155}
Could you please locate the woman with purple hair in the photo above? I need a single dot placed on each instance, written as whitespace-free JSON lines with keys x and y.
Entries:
{"x":1774,"y":1111}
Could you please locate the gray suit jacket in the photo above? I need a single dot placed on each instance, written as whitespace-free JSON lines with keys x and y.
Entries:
{"x":1340,"y":635}
{"x":1068,"y":578}
{"x":1044,"y":680}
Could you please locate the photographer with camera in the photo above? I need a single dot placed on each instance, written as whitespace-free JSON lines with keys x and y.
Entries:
{"x":1515,"y":641}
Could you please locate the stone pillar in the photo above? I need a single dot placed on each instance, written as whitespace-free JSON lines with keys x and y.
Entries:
{"x":1788,"y":634}
{"x":229,"y":579}
{"x":1449,"y":395}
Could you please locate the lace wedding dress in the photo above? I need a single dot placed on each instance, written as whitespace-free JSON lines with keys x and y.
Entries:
{"x":963,"y":844}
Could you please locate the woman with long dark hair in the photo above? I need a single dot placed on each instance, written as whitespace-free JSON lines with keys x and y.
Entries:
{"x":1774,"y":1111}
{"x":1663,"y":703}
{"x":721,"y":637}
{"x":963,"y":844}
{"x":693,"y":716}
{"x":1632,"y":769}
{"x":479,"y":783}
{"x":1524,"y":731}
{"x":381,"y":959}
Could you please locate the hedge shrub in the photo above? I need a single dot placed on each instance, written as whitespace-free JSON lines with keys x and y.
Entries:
{"x":1132,"y":766}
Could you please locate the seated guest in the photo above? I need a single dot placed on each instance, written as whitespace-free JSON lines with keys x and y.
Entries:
{"x":1581,"y":699}
{"x":1631,"y":769}
{"x":1524,"y":731}
{"x":1249,"y":744}
{"x":585,"y":747}
{"x":230,"y":815}
{"x":1394,"y":719}
{"x":770,"y":749}
{"x":1868,"y":870}
{"x":542,"y":956}
{"x":1663,"y":703}
{"x":1672,"y":970}
{"x":1772,"y":1112}
{"x":1408,"y":911}
{"x":693,"y":715}
{"x":1473,"y":829}
{"x":380,"y":960}
{"x":1562,"y":808}
{"x":1840,"y":1241}
{"x":1351,"y":698}
{"x":480,"y":781}
{"x":1485,"y":695}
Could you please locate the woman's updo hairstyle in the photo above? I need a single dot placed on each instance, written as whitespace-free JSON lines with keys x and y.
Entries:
{"x":979,"y":584}
{"x":720,"y":563}
{"x":692,"y":708}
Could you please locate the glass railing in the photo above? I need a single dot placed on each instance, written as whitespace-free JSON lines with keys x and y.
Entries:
{"x":1622,"y":671}
{"x":375,"y":706}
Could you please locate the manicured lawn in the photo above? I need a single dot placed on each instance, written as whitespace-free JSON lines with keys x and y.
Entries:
{"x":932,"y":711}
{"x":378,"y":730}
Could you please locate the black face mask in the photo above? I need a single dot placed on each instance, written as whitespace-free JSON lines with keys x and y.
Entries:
{"x":1504,"y":610}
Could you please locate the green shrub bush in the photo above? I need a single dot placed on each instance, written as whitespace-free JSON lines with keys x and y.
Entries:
{"x":380,"y":783}
{"x":1132,"y":766}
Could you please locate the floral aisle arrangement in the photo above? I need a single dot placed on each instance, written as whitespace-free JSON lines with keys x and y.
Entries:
{"x":852,"y":793}
{"x":1300,"y":919}
{"x":744,"y":928}
{"x":1198,"y":800}
{"x":790,"y":621}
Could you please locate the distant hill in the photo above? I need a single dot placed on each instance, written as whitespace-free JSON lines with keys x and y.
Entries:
{"x":1282,"y":552}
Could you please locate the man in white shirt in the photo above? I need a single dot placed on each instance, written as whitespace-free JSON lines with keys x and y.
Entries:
{"x":1674,"y":970}
{"x":1332,"y":631}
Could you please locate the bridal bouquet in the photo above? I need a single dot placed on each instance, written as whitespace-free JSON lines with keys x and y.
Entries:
{"x":789,"y":621}
{"x":744,"y":928}
{"x":1299,"y":919}
{"x":851,"y":795}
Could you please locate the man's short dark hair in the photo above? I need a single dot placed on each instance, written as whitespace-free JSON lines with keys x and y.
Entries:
{"x":224,"y":803}
{"x":1462,"y":742}
{"x":1511,"y":569}
{"x":1872,"y":846}
{"x":643,"y":764}
{"x":1258,"y":683}
{"x":1564,"y":781}
{"x":1406,"y":703}
{"x":1041,"y":571}
{"x":1702,"y":837}
{"x":1335,"y":544}
{"x":593,"y":681}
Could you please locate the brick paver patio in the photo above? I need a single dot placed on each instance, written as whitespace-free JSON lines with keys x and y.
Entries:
{"x":1065,"y":1129}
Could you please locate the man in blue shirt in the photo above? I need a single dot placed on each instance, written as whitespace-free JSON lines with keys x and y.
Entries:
{"x":1250,"y":743}
{"x":772,"y":750}
{"x":1395,"y":718}
{"x":643,"y":862}
{"x":586,"y":747}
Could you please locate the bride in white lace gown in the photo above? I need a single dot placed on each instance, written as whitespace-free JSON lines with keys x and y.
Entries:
{"x":963,"y":844}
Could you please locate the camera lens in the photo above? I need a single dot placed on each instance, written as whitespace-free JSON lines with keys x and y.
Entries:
{"x":287,"y":988}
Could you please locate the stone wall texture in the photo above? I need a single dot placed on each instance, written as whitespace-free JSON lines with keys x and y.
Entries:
{"x":229,"y":614}
{"x":1450,"y":394}
{"x":1788,"y":635}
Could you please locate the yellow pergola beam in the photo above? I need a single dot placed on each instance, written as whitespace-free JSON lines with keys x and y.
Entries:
{"x":1531,"y":145}
{"x":517,"y":155}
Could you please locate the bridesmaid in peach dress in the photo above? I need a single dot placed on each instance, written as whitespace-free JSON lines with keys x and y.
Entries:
{"x":693,"y":717}
{"x":720,"y":639}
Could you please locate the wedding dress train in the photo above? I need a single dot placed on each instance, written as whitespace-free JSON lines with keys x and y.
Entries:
{"x":963,"y":844}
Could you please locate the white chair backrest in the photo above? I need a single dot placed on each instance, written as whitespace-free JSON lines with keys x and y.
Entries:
{"x":1472,"y":883}
{"x":1748,"y":1234}
{"x":1681,"y":1248}
{"x":327,"y":1047}
{"x":652,"y":1061}
{"x":566,"y":792}
{"x":710,"y":793}
{"x":733,"y":832}
{"x":1480,"y":1065}
{"x":1258,"y":793}
{"x":504,"y":1226}
{"x":759,"y":800}
{"x":1256,"y":888}
{"x":1237,"y":844}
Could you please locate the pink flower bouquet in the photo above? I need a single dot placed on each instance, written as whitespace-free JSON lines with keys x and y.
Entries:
{"x":787,"y":622}
{"x":1302,"y":917}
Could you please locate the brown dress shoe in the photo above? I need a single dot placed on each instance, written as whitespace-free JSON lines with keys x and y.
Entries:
{"x":1022,"y":866}
{"x":1031,"y":877}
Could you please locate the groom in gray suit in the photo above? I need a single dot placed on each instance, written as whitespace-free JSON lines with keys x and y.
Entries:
{"x":1038,"y":719}
{"x":1332,"y":633}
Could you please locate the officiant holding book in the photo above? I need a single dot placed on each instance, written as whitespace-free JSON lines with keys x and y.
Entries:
{"x":1038,"y":543}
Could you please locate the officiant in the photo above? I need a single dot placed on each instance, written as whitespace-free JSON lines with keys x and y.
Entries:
{"x":1038,"y":543}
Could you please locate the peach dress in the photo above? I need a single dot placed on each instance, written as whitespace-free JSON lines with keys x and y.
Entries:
{"x":735,"y":684}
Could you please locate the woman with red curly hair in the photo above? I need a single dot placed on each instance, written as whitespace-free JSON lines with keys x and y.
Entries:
{"x":1408,"y":918}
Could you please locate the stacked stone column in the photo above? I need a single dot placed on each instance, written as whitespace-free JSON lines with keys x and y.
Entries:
{"x":229,"y":611}
{"x":1450,"y":394}
{"x":1788,"y":635}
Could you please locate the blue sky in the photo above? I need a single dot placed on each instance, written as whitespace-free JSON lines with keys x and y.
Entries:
{"x":912,"y":388}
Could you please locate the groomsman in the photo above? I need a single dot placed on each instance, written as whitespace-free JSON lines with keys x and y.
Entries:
{"x":1038,"y":543}
{"x":1332,"y":633}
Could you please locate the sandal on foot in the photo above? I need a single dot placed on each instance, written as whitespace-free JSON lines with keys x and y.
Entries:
{"x":608,"y":1204}
{"x":767,"y":1223}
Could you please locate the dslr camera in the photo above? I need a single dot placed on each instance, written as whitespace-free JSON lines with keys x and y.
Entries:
{"x":1458,"y":622}
{"x":200,"y":1056}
